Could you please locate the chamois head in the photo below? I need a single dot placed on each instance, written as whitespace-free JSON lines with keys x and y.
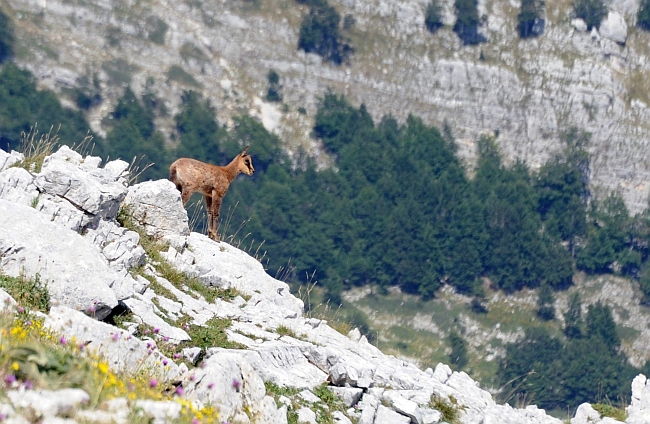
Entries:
{"x":245,"y":162}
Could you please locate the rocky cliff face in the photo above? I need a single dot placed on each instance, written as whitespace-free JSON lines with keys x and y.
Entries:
{"x":526,"y":91}
{"x":60,"y":223}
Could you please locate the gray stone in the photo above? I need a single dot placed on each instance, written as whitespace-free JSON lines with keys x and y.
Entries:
{"x":222,"y":265}
{"x":306,"y":415}
{"x":157,"y":207}
{"x":340,"y":418}
{"x":17,"y":185}
{"x":579,"y":24}
{"x":63,"y":175}
{"x":349,"y":395}
{"x":122,"y":351}
{"x":309,"y":396}
{"x":388,"y":416}
{"x":614,"y":27}
{"x":442,"y":372}
{"x":639,"y":410}
{"x":7,"y":303}
{"x":8,"y":159}
{"x":191,"y":353}
{"x":118,"y":245}
{"x":48,"y":403}
{"x":585,"y":414}
{"x":368,"y":406}
{"x":146,"y":311}
{"x":403,"y":406}
{"x":430,"y":416}
{"x":161,"y":412}
{"x":75,"y":273}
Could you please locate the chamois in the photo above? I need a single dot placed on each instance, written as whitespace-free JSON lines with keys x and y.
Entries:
{"x":191,"y":175}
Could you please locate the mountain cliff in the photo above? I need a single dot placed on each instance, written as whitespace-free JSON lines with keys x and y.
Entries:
{"x":527,"y":91}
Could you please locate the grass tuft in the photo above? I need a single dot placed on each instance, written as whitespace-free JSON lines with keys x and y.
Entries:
{"x":32,"y":294}
{"x":36,"y":149}
{"x":449,"y":409}
{"x":608,"y":410}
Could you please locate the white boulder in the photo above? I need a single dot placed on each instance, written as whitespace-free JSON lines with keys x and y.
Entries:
{"x":157,"y":206}
{"x":614,"y":27}
{"x":75,"y":273}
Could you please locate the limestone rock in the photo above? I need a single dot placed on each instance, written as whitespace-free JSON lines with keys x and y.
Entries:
{"x":231,"y":384}
{"x":403,"y":406}
{"x":8,"y":159}
{"x":614,"y":27}
{"x":75,"y":273}
{"x":123,"y":351}
{"x":94,"y":191}
{"x":145,"y":310}
{"x":340,"y":418}
{"x":118,"y":245}
{"x":157,"y":206}
{"x":221,"y":265}
{"x":306,"y":416}
{"x":639,"y":410}
{"x":388,"y":416}
{"x":161,"y":412}
{"x":579,"y":24}
{"x":349,"y":395}
{"x":17,"y":185}
{"x":47,"y":403}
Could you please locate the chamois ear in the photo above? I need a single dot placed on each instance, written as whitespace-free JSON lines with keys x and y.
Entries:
{"x":245,"y":151}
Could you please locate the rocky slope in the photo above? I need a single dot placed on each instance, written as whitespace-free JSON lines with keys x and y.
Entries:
{"x":60,"y":224}
{"x":526,"y":91}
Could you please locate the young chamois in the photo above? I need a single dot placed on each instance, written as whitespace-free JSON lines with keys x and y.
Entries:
{"x":191,"y":175}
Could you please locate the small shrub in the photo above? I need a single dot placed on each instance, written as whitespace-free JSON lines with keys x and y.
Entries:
{"x":273,"y":93}
{"x":319,"y":33}
{"x":477,"y":307}
{"x":433,"y":16}
{"x":607,"y":410}
{"x":529,"y":19}
{"x":467,"y":22}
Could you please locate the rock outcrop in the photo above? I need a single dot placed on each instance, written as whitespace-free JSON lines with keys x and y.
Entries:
{"x":307,"y":355}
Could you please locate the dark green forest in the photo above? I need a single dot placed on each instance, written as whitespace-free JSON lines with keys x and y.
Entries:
{"x":398,"y":209}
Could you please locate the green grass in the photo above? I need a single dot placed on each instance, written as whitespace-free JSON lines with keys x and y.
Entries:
{"x":449,"y":409}
{"x":30,"y":293}
{"x":283,"y":330}
{"x":607,"y":410}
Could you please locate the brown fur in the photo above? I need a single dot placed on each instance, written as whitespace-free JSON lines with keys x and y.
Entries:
{"x":191,"y":175}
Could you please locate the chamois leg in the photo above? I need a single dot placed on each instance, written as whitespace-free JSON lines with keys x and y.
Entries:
{"x":214,"y":218}
{"x":208,"y":209}
{"x":185,"y":194}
